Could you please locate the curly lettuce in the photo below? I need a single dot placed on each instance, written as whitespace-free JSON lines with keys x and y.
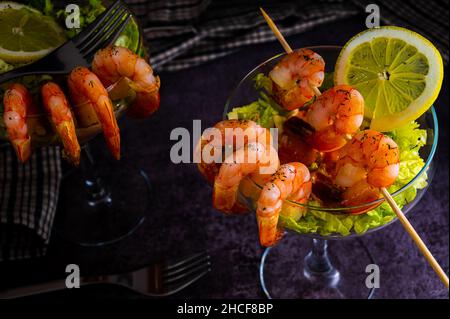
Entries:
{"x":265,"y":111}
{"x":88,"y":13}
{"x":5,"y":67}
{"x":129,"y":38}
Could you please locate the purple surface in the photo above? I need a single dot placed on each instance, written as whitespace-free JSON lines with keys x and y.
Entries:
{"x":182,"y":221}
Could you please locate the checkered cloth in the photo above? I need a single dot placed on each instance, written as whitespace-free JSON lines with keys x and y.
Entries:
{"x":186,"y":33}
{"x":28,"y":197}
{"x":183,"y":34}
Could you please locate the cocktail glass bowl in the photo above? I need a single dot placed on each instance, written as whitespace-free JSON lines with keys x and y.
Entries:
{"x":303,"y":265}
{"x":95,"y":206}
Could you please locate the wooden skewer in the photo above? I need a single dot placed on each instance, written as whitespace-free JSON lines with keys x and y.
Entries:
{"x":282,"y":40}
{"x":405,"y":222}
{"x":277,"y":32}
{"x":412,"y":232}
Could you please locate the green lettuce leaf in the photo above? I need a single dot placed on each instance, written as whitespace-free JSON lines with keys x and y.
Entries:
{"x":88,"y":13}
{"x":264,"y":109}
{"x":5,"y":67}
{"x":129,"y":38}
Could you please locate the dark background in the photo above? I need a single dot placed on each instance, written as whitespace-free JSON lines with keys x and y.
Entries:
{"x":181,"y":220}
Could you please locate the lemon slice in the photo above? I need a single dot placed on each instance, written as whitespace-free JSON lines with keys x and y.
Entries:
{"x":398,"y":72}
{"x":26,"y":34}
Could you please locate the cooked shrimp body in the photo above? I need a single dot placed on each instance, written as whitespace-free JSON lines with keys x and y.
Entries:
{"x":295,"y":77}
{"x":366,"y":163}
{"x":251,"y":186}
{"x":237,"y":166}
{"x":335,"y":115}
{"x":17,"y":103}
{"x":57,"y":106}
{"x":113,"y":63}
{"x":235,"y":132}
{"x":86,"y":88}
{"x":229,"y":135}
{"x":291,"y":181}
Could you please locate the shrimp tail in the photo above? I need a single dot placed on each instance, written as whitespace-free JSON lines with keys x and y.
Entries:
{"x":144,"y":105}
{"x":66,"y":132}
{"x":269,"y":234}
{"x":113,"y":143}
{"x":22,"y":149}
{"x":225,"y":200}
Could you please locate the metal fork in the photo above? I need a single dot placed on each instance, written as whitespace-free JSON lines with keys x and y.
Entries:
{"x":159,"y":280}
{"x":80,"y":50}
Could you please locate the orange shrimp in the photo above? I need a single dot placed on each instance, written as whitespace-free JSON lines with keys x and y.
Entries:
{"x":17,"y":104}
{"x":366,"y":163}
{"x":335,"y":115}
{"x":86,"y":88}
{"x":291,"y":181}
{"x":238,"y":165}
{"x":57,"y":106}
{"x":229,"y":134}
{"x":113,"y":63}
{"x":295,"y":76}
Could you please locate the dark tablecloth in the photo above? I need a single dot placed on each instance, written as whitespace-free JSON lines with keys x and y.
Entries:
{"x":181,"y":219}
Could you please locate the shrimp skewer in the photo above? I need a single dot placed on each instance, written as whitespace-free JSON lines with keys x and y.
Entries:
{"x":335,"y":115}
{"x":291,"y":181}
{"x":113,"y":63}
{"x":367,"y":163}
{"x":409,"y":228}
{"x":296,"y":78}
{"x":18,"y":103}
{"x":56,"y":104}
{"x":86,"y":88}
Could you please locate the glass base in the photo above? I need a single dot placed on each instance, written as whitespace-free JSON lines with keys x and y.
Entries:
{"x":284,"y":272}
{"x":118,"y":208}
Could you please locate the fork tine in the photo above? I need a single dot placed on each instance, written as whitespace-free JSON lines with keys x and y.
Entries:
{"x":106,"y":27}
{"x":115,"y":35}
{"x":175,"y":264}
{"x":188,"y":273}
{"x":180,"y":286}
{"x":108,"y":38}
{"x":196,"y":262}
{"x":82,"y":36}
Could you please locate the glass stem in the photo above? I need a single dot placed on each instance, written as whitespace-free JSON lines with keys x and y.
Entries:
{"x":317,"y":262}
{"x":318,"y":267}
{"x":94,"y":185}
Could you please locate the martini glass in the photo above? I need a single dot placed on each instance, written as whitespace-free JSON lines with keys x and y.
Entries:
{"x":304,"y":265}
{"x":93,"y":208}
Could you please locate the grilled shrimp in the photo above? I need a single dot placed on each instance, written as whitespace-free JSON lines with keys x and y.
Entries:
{"x":335,"y":115}
{"x":291,"y":181}
{"x":57,"y":106}
{"x":238,"y":165}
{"x":113,"y":63}
{"x":366,"y":163}
{"x":86,"y":89}
{"x":295,"y":76}
{"x":18,"y":104}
